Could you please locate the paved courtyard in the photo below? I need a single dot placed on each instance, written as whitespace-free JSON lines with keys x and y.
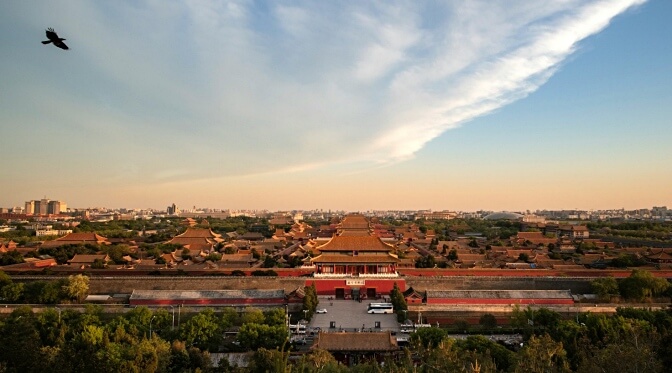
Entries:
{"x":350,"y":315}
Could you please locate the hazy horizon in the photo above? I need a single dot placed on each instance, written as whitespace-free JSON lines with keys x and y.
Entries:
{"x":361,"y":106}
{"x":334,"y":209}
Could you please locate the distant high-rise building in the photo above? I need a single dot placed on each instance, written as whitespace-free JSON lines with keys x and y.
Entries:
{"x":30,"y":207}
{"x":173,"y":210}
{"x":41,"y":207}
{"x":660,"y":211}
{"x":57,"y":207}
{"x":45,"y":207}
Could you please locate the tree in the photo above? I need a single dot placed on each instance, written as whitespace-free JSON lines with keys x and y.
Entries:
{"x":452,"y":254}
{"x":77,"y":287}
{"x":214,"y":257}
{"x":140,"y":317}
{"x":633,"y":351}
{"x":399,"y":302}
{"x":229,"y":317}
{"x":545,"y":318}
{"x":269,"y":262}
{"x":502,"y":356}
{"x":269,"y":360}
{"x":605,"y":287}
{"x":12,"y":293}
{"x":98,"y":264}
{"x":117,"y":252}
{"x":641,"y":285}
{"x":627,"y":260}
{"x":44,"y":292}
{"x":20,"y":342}
{"x":488,"y":321}
{"x":179,"y":358}
{"x":427,"y":261}
{"x":542,"y":355}
{"x":461,"y":325}
{"x":275,"y":317}
{"x":319,"y":359}
{"x":201,"y":330}
{"x":4,"y":279}
{"x":310,"y":300}
{"x":447,"y":356}
{"x":253,"y":316}
{"x":200,"y":360}
{"x":11,"y":257}
{"x":428,"y":337}
{"x":253,"y":336}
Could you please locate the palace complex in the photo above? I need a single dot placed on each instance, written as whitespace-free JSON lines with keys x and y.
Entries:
{"x":352,"y":256}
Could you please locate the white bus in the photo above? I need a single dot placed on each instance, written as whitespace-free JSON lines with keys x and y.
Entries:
{"x":297,"y":328}
{"x":380,"y":308}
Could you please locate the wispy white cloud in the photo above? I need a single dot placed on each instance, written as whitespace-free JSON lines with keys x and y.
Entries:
{"x":529,"y":49}
{"x":213,"y":88}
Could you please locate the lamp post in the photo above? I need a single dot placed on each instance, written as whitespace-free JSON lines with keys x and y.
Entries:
{"x":405,"y":315}
{"x":172,"y":308}
{"x":287,"y":319}
{"x":305,"y":315}
{"x":150,"y":326}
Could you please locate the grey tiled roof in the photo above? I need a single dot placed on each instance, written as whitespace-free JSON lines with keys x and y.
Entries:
{"x":500,"y":294}
{"x":207,"y":294}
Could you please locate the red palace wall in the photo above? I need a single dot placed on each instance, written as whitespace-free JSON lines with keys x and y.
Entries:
{"x":618,"y":273}
{"x":497,"y":301}
{"x":382,"y":286}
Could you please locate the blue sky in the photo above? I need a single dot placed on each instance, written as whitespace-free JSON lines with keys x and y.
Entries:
{"x":500,"y":105}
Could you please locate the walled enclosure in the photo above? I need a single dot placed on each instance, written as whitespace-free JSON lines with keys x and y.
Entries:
{"x":112,"y":285}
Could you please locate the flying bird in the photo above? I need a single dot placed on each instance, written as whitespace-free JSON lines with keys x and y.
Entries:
{"x":53,"y":38}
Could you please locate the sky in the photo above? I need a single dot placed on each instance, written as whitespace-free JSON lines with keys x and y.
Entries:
{"x":496,"y":105}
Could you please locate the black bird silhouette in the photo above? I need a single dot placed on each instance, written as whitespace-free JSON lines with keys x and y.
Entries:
{"x":53,"y":38}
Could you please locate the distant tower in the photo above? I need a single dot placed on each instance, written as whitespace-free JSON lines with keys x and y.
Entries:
{"x":30,"y":207}
{"x":44,"y":206}
{"x":56,"y":207}
{"x":172,"y":210}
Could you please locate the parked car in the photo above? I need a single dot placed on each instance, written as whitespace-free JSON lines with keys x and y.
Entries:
{"x":321,"y":310}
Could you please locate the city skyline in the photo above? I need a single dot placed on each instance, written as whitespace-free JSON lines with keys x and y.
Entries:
{"x":33,"y":208}
{"x":238,"y":105}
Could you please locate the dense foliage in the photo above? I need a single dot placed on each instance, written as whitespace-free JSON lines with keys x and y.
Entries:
{"x":150,"y":341}
{"x":72,"y":289}
{"x":310,"y":301}
{"x":640,"y":286}
{"x":399,"y":302}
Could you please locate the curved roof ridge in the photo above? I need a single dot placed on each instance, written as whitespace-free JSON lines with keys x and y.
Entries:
{"x":355,"y":243}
